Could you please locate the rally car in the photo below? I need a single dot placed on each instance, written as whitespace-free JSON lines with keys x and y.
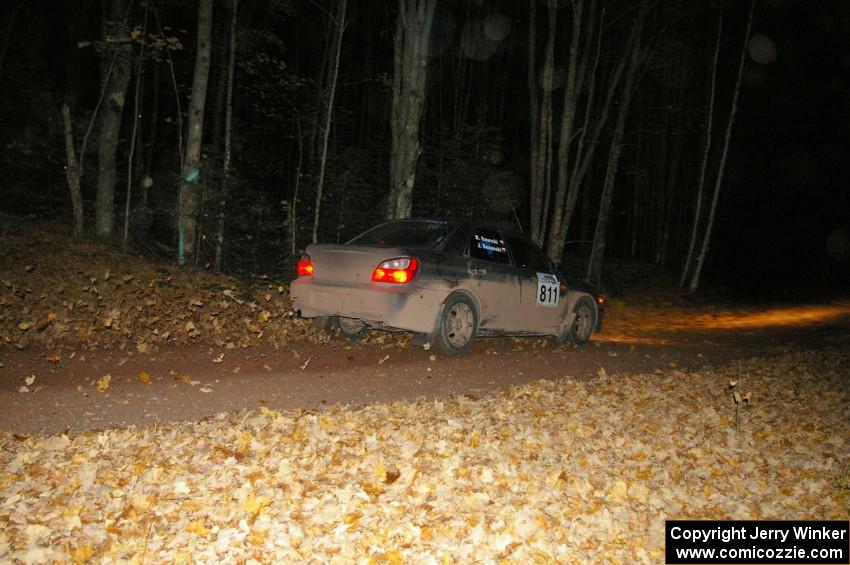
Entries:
{"x":445,"y":280}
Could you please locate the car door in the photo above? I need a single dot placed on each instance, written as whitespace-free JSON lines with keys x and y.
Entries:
{"x":542,"y":305}
{"x":493,"y":279}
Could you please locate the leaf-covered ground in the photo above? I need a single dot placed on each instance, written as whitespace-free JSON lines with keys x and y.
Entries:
{"x":561,"y":471}
{"x":56,"y":293}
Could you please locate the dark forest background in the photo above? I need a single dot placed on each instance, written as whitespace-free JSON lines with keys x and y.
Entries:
{"x":642,"y":83}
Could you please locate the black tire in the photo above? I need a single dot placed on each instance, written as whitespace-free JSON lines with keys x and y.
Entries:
{"x":324,"y":322}
{"x":584,"y":321}
{"x":350,"y":328}
{"x":456,"y":327}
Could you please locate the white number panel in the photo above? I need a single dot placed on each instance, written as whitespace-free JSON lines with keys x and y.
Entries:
{"x":548,"y":290}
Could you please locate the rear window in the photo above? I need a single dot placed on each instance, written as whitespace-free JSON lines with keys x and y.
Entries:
{"x":408,"y":233}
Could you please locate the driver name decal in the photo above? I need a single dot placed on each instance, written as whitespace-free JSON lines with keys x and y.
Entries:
{"x":490,"y":244}
{"x":548,"y":290}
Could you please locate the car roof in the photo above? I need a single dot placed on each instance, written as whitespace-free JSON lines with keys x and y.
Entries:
{"x":465,"y":222}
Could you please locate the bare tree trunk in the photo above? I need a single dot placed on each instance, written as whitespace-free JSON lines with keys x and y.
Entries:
{"x":410,"y":72}
{"x":594,"y":269}
{"x":228,"y":135}
{"x":695,"y":279}
{"x":189,"y":199}
{"x":591,"y":131}
{"x":322,"y":86}
{"x":177,"y":104}
{"x":462,"y":79}
{"x":299,"y":166}
{"x":133,"y":135}
{"x":567,"y":118}
{"x":534,"y":176}
{"x":339,"y":24}
{"x":689,"y":256}
{"x":115,"y":85}
{"x":542,"y":168}
{"x":72,"y":173}
{"x":152,"y":123}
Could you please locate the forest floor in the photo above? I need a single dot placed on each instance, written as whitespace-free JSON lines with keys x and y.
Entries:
{"x":157,"y":414}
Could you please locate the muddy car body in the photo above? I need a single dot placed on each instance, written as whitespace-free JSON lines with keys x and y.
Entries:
{"x":446,"y":281}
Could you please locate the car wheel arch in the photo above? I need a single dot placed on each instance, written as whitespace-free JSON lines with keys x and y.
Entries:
{"x":476,"y":301}
{"x":569,"y":318}
{"x":438,"y":338}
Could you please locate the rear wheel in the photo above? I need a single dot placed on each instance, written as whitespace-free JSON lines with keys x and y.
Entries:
{"x":351,"y":328}
{"x":457,"y":326}
{"x":584,"y":320}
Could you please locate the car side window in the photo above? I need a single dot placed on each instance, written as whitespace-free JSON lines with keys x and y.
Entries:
{"x":488,"y":245}
{"x":528,"y":256}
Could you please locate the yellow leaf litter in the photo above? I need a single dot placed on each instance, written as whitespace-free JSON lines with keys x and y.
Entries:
{"x":565,"y":471}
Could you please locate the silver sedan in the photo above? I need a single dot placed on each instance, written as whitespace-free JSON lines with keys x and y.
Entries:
{"x":446,"y":281}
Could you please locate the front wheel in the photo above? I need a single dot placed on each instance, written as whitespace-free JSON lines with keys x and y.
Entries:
{"x":584,"y":321}
{"x":457,"y":326}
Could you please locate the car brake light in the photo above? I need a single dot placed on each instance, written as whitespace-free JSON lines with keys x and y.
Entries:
{"x":305,"y":266}
{"x":399,"y":271}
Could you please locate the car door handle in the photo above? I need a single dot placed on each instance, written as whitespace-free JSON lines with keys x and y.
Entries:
{"x":477,"y":272}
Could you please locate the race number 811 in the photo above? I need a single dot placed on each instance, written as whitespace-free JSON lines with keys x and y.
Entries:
{"x":548,"y":290}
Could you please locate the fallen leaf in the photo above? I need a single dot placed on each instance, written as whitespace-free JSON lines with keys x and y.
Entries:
{"x":197,"y":527}
{"x":103,"y":382}
{"x":144,"y":377}
{"x":82,"y":553}
{"x":269,"y":412}
{"x":255,"y":504}
{"x":391,"y":476}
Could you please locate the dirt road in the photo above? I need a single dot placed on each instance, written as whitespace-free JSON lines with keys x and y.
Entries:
{"x":41,"y":392}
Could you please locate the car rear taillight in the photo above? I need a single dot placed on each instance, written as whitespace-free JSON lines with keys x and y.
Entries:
{"x":399,"y":271}
{"x":305,"y":266}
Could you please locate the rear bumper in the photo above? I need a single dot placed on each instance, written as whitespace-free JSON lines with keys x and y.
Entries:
{"x":403,"y":307}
